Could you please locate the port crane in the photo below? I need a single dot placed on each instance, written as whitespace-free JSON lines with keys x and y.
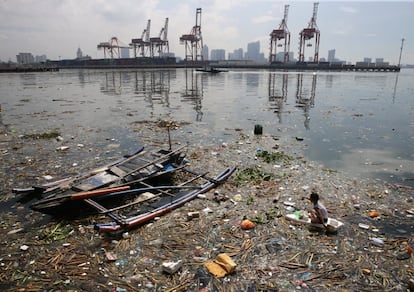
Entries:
{"x":194,"y":41}
{"x":159,"y":45}
{"x":309,"y":33}
{"x":282,"y":33}
{"x":142,"y":45}
{"x":111,"y":48}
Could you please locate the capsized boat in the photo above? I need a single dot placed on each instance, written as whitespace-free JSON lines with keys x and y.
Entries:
{"x":132,"y":171}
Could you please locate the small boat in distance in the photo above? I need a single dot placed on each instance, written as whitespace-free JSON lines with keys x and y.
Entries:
{"x":209,"y":69}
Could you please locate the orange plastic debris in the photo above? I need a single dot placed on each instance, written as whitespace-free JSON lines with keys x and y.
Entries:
{"x":247,"y":224}
{"x":373,"y":214}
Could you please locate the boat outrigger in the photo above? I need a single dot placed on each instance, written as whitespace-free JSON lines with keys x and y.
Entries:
{"x":156,"y":201}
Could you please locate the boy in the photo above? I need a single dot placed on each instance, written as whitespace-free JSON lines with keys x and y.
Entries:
{"x":319,"y":214}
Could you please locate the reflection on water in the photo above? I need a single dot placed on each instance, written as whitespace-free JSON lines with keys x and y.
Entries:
{"x":278,"y":93}
{"x":356,"y":121}
{"x":154,"y":86}
{"x":305,"y":96}
{"x":193,"y":93}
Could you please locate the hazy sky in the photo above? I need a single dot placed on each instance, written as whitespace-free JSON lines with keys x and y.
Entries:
{"x":356,"y":29}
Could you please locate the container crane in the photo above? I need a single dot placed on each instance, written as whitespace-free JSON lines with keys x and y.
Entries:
{"x":309,"y":33}
{"x":112,"y":47}
{"x":142,"y":45}
{"x":282,"y":33}
{"x":160,"y":44}
{"x":194,"y":41}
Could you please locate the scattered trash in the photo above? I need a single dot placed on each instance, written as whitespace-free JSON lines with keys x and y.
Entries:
{"x":373,"y":214}
{"x":110,"y":256}
{"x":281,"y":255}
{"x":222,"y":266}
{"x":172,"y":267}
{"x":247,"y":224}
{"x":193,"y":215}
{"x":24,"y":247}
{"x":377,"y":241}
{"x":62,"y":148}
{"x":363,"y":226}
{"x":14,"y":231}
{"x":258,"y":129}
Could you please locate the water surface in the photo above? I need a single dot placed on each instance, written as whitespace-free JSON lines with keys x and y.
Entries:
{"x":360,"y":123}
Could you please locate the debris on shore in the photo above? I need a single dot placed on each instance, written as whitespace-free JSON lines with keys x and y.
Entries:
{"x":372,"y":252}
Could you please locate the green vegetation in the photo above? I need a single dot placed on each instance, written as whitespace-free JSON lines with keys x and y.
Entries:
{"x":251,"y":174}
{"x":273,"y":157}
{"x":55,"y":233}
{"x":47,"y":135}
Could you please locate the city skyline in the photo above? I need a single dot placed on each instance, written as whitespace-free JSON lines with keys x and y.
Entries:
{"x":356,"y":30}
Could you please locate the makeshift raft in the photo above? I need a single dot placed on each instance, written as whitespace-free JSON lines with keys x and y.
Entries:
{"x":333,"y":225}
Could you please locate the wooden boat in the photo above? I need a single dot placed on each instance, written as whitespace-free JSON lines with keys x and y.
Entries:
{"x":155,"y":201}
{"x":136,"y":170}
{"x":300,"y":217}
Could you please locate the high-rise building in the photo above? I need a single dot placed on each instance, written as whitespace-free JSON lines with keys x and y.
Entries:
{"x":253,"y":53}
{"x":40,"y":59}
{"x":218,"y":54}
{"x":25,"y":58}
{"x":204,"y":52}
{"x":236,"y":55}
{"x":331,"y":55}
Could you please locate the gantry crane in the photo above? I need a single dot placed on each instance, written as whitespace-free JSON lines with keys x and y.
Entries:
{"x":142,"y":45}
{"x":282,"y":33}
{"x":194,"y":41}
{"x":159,"y":45}
{"x":112,"y":47}
{"x":309,"y":33}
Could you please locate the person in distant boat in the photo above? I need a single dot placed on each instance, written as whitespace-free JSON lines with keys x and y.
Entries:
{"x":319,"y":214}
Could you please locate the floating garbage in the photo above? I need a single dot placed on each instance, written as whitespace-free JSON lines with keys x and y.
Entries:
{"x":172,"y":267}
{"x":377,"y":242}
{"x":246,"y":224}
{"x":222,"y":266}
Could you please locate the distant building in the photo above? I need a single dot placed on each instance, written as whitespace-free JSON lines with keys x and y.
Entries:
{"x":379,"y":60}
{"x":280,"y":57}
{"x":218,"y":54}
{"x":168,"y":55}
{"x":331,"y":55}
{"x":40,"y":59}
{"x":204,"y":52}
{"x":25,"y":58}
{"x":253,"y":53}
{"x":236,"y":55}
{"x":79,"y":54}
{"x":124,"y":52}
{"x":367,"y":60}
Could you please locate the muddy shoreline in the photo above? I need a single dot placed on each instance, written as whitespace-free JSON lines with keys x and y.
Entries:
{"x":43,"y":253}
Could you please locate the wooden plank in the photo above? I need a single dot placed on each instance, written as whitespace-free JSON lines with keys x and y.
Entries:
{"x":90,"y":194}
{"x":96,"y":181}
{"x":116,"y":170}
